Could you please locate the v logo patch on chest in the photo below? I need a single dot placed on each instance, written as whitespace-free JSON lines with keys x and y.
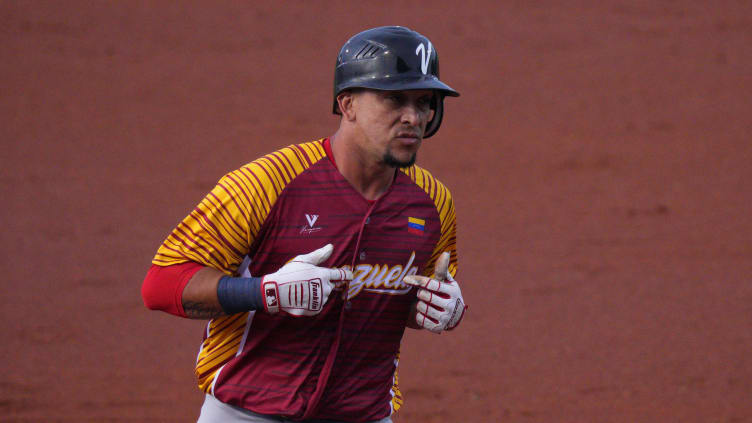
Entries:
{"x":310,"y":228}
{"x":311,"y":218}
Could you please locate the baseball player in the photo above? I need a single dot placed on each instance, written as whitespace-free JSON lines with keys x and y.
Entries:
{"x":311,"y":261}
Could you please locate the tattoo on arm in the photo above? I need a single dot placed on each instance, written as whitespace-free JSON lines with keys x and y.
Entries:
{"x":196,"y":310}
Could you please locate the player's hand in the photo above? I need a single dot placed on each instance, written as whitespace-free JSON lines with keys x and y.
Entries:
{"x":440,"y":305}
{"x":301,"y":287}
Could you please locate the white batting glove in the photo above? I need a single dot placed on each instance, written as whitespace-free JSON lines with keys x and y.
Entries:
{"x":440,"y":305}
{"x":301,"y":287}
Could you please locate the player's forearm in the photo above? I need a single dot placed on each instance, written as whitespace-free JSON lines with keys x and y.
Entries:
{"x":200,"y":299}
{"x":210,"y":293}
{"x":300,"y":288}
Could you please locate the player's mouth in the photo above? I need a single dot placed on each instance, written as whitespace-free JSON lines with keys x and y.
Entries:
{"x":408,"y":137}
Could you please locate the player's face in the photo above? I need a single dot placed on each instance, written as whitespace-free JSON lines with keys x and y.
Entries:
{"x":393,"y":123}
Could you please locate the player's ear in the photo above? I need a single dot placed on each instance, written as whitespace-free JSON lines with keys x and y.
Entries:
{"x":345,"y":102}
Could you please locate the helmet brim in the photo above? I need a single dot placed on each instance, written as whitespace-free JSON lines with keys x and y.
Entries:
{"x":397,"y":84}
{"x":400,"y":83}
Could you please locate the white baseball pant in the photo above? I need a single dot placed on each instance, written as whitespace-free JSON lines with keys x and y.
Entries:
{"x":215,"y":411}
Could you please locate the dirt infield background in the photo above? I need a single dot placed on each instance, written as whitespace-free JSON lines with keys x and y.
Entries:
{"x":599,"y":156}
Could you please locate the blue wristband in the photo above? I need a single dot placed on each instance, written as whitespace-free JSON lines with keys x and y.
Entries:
{"x":237,"y":295}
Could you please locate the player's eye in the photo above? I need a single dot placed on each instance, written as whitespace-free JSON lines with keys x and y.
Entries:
{"x":395,"y":98}
{"x":425,"y":102}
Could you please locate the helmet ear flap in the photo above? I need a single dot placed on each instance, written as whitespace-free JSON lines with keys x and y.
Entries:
{"x":335,"y":107}
{"x":438,"y":108}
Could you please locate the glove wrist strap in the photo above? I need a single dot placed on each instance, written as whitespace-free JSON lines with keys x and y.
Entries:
{"x":237,"y":295}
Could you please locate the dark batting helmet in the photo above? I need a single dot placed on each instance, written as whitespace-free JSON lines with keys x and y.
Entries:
{"x":392,"y":58}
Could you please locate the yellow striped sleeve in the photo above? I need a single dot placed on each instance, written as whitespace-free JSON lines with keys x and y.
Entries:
{"x":220,"y":230}
{"x":442,"y":199}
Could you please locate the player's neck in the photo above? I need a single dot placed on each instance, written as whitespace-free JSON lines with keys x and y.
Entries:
{"x":370,"y":177}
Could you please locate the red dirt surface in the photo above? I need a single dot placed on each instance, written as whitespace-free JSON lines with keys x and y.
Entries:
{"x":599,"y":157}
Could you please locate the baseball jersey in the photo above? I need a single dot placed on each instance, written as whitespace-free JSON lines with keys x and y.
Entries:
{"x":342,"y":363}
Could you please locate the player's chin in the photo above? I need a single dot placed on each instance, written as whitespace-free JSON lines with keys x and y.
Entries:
{"x":400,"y":159}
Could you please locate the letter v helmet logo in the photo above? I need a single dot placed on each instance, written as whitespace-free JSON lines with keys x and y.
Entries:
{"x":425,"y":56}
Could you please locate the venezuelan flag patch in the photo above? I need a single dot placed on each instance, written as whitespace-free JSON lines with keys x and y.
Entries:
{"x":416,"y":226}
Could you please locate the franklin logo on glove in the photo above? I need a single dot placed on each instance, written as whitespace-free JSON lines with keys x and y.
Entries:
{"x":315,"y":294}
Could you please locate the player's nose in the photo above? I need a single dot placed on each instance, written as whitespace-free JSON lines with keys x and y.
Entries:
{"x":411,"y":114}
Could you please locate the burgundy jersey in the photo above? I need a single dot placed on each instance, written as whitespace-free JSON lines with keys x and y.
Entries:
{"x":342,"y":363}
